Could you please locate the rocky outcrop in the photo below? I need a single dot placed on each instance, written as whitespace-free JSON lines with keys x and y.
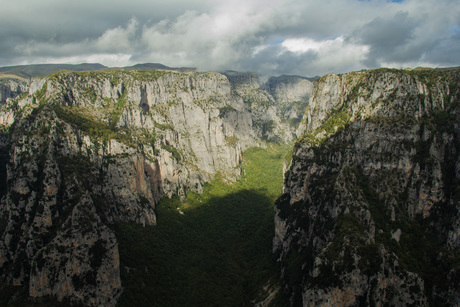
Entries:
{"x":242,"y":80}
{"x":82,"y":151}
{"x":11,"y":88}
{"x":292,"y":94}
{"x":277,"y":105}
{"x":81,"y":263}
{"x":370,"y":210}
{"x":287,"y":88}
{"x":54,"y":210}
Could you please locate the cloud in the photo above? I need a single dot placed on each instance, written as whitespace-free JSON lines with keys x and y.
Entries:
{"x":411,"y":36}
{"x":306,"y":56}
{"x":271,"y":37}
{"x":119,"y":39}
{"x":387,"y":38}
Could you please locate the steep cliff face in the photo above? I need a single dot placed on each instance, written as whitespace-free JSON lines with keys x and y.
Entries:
{"x":56,"y":204}
{"x":370,"y":212}
{"x":82,"y":151}
{"x":277,"y":105}
{"x":288,"y":88}
{"x":11,"y":88}
{"x":292,"y":94}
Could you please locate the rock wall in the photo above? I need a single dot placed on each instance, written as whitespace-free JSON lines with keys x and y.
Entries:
{"x":370,"y":211}
{"x":11,"y":88}
{"x":287,"y":88}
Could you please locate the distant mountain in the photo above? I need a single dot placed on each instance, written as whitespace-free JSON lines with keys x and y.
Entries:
{"x":158,"y":66}
{"x":41,"y":70}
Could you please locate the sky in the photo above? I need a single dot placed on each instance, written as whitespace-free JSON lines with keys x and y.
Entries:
{"x":270,"y":37}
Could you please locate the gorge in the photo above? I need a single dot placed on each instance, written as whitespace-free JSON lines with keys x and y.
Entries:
{"x":93,"y":162}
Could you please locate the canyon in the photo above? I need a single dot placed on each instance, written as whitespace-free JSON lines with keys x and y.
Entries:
{"x":368,"y":215}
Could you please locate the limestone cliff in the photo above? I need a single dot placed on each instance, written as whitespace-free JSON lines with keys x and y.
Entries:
{"x":277,"y":105}
{"x":370,"y":213}
{"x":292,"y":94}
{"x":11,"y":87}
{"x":81,"y":151}
{"x":287,"y":88}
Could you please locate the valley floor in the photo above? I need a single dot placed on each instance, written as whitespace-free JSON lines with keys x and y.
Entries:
{"x":211,"y":249}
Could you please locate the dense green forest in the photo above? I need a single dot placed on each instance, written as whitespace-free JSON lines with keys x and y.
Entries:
{"x":211,"y":249}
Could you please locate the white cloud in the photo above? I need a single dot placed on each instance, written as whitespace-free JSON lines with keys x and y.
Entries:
{"x":119,"y":38}
{"x":301,"y":45}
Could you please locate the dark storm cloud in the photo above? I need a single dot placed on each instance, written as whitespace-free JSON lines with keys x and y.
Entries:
{"x":445,"y":51}
{"x":269,"y":36}
{"x":388,"y":39}
{"x":420,"y":34}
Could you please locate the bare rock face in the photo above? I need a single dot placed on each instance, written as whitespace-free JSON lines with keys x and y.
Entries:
{"x":290,"y":88}
{"x":54,"y":237}
{"x":11,"y":88}
{"x":81,"y":264}
{"x":82,"y":151}
{"x":370,"y":210}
